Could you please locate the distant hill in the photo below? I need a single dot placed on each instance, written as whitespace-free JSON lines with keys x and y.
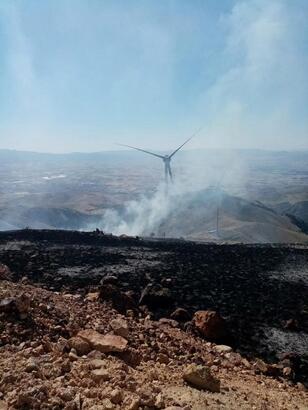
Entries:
{"x":239,"y":220}
{"x":44,"y":218}
{"x":298,"y":209}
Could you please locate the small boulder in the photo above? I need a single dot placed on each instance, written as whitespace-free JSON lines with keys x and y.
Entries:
{"x":7,"y":305}
{"x":120,"y":327}
{"x":92,"y":296}
{"x":100,"y":374}
{"x":23,"y":303}
{"x":103,"y":343}
{"x":116,"y":396}
{"x":168,"y":322}
{"x":260,"y":366}
{"x":120,"y":300}
{"x":81,"y":346}
{"x":19,"y":305}
{"x":223,"y":349}
{"x":200,"y":377}
{"x":210,"y":325}
{"x":109,"y":280}
{"x":97,"y":363}
{"x":5,"y":273}
{"x":181,"y":315}
{"x":31,"y":366}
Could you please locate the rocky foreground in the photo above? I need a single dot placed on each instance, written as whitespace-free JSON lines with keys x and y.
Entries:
{"x":98,"y":338}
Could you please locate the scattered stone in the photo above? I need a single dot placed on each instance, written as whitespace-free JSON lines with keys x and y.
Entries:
{"x":287,"y":372}
{"x":130,"y":356}
{"x":116,"y":396}
{"x":120,"y":327}
{"x":97,"y":363}
{"x":163,"y":358}
{"x":200,"y":377}
{"x":62,"y":345}
{"x":100,"y":374}
{"x":7,"y":305}
{"x":223,"y":349}
{"x":23,"y":303}
{"x":234,"y":358}
{"x":107,"y":405}
{"x":31,"y":366}
{"x":210,"y":324}
{"x":81,"y":346}
{"x":18,"y":305}
{"x":181,"y":315}
{"x":92,"y":296}
{"x":103,"y":343}
{"x":168,"y":322}
{"x":5,"y":273}
{"x":131,"y":403}
{"x":261,"y":366}
{"x":246,"y":363}
{"x":73,"y":356}
{"x":301,"y":386}
{"x":120,"y":301}
{"x":95,"y":354}
{"x":109,"y":280}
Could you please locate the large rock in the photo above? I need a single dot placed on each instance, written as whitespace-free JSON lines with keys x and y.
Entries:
{"x":156,"y":296}
{"x":103,"y":343}
{"x":201,"y":378}
{"x":210,"y":325}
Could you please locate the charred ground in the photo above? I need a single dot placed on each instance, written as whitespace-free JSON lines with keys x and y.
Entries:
{"x":259,"y":289}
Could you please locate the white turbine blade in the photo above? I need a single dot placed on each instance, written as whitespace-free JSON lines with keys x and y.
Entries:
{"x":195,"y":133}
{"x":142,"y":150}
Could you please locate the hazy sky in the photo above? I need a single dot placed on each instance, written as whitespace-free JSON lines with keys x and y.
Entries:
{"x":79,"y":75}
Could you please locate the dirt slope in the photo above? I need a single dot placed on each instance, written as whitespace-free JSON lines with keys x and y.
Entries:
{"x":40,"y":370}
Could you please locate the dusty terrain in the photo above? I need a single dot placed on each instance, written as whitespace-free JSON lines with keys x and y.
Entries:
{"x":62,"y":283}
{"x":261,"y":195}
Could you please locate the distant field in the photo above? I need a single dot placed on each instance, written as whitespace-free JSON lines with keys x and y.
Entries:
{"x":74,"y":191}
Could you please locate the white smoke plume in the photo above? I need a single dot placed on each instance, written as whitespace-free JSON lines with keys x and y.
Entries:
{"x":144,"y":215}
{"x":139,"y":217}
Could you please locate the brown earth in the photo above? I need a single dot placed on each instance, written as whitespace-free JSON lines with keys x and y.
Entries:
{"x":39,"y":369}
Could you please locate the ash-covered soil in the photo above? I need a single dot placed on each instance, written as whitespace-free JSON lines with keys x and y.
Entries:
{"x":258,"y":289}
{"x":261,"y":290}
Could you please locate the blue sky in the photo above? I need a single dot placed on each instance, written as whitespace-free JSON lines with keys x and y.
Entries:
{"x":80,"y":75}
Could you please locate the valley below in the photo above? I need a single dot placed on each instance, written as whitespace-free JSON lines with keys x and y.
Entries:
{"x":218,"y":196}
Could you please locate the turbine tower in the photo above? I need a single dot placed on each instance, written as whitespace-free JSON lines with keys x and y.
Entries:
{"x":166,"y":158}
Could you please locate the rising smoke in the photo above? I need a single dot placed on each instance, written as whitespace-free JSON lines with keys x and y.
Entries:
{"x":195,"y":177}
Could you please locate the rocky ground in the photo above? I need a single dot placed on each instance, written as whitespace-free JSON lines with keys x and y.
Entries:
{"x":95,"y":322}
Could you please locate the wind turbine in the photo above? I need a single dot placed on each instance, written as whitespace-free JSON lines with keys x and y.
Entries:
{"x":166,"y":158}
